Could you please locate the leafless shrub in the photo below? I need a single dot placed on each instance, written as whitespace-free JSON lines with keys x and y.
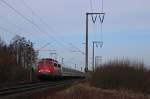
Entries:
{"x":122,"y":75}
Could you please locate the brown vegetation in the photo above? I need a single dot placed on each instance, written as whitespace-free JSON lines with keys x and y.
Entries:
{"x":113,"y":80}
{"x":84,"y":91}
{"x":122,"y":75}
{"x":16,"y":60}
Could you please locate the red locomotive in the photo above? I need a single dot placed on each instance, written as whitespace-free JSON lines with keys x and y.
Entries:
{"x":50,"y":68}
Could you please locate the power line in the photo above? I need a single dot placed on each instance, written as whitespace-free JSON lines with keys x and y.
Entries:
{"x":102,"y":5}
{"x":44,"y":23}
{"x":19,"y":28}
{"x":91,"y":5}
{"x":20,"y":14}
{"x":28,"y":20}
{"x":78,"y":50}
{"x":7,"y":20}
{"x":35,"y":14}
{"x":40,"y":19}
{"x":32,"y":22}
{"x":4,"y":29}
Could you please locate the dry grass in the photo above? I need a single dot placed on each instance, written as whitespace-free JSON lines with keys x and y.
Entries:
{"x":122,"y":75}
{"x":84,"y":91}
{"x":113,"y":80}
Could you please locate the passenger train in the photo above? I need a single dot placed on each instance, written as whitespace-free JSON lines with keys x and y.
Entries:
{"x":50,"y":68}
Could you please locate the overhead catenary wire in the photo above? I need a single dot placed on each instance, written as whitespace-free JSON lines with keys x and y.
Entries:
{"x":14,"y":24}
{"x":101,"y":21}
{"x":31,"y":22}
{"x":24,"y":17}
{"x":4,"y":19}
{"x":21,"y":15}
{"x":37,"y":16}
{"x":94,"y":18}
{"x":78,"y":50}
{"x":40,"y":19}
{"x":8,"y":31}
{"x":102,"y":6}
{"x":27,"y":6}
{"x":100,"y":17}
{"x":43,"y":22}
{"x":91,"y":5}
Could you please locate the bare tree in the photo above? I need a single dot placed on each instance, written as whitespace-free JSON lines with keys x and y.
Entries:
{"x":23,"y":51}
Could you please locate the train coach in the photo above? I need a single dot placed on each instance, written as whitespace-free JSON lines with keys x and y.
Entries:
{"x":50,"y":68}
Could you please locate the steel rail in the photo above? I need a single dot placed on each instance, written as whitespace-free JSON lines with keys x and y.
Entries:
{"x":31,"y":87}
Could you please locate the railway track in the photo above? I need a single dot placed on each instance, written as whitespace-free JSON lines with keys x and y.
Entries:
{"x":29,"y":87}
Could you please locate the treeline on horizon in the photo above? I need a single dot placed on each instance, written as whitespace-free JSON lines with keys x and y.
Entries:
{"x":122,"y":75}
{"x":16,"y":60}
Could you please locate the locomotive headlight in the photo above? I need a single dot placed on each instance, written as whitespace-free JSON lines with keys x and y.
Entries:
{"x":48,"y":70}
{"x":44,"y":70}
{"x":39,"y":70}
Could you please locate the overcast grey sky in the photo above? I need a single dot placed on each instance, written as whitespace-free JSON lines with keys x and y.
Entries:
{"x":126,"y":28}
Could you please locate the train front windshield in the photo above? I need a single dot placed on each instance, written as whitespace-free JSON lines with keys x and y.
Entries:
{"x":45,"y":63}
